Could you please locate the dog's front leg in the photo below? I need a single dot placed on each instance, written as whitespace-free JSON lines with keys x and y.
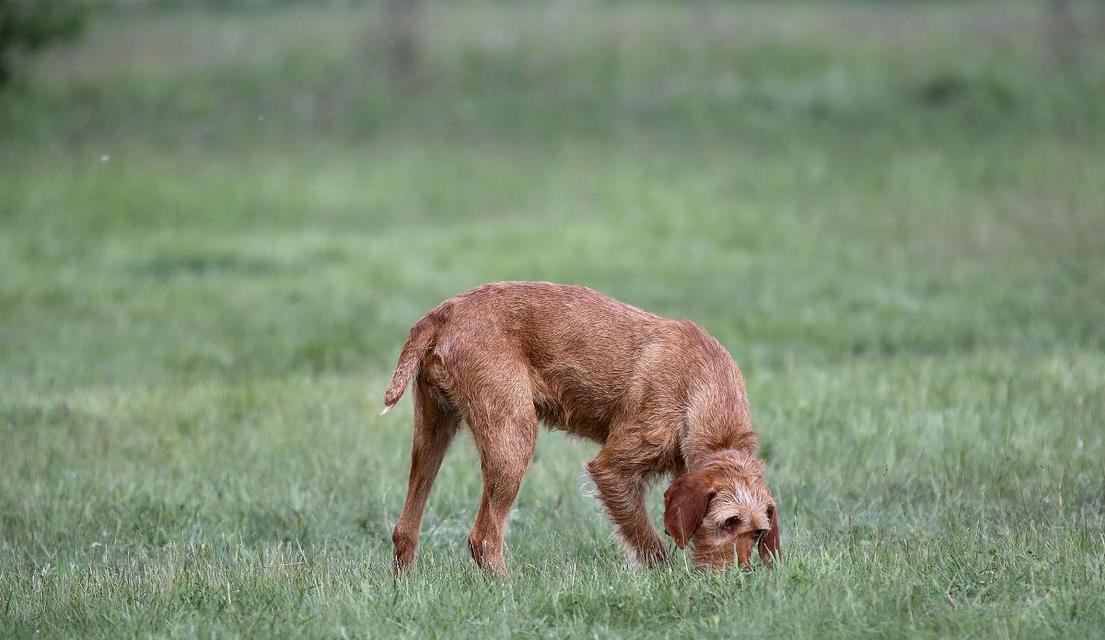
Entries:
{"x":622,"y":491}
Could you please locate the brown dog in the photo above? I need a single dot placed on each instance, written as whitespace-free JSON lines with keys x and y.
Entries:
{"x":659,"y":395}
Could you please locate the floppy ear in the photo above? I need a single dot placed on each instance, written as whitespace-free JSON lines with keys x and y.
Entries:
{"x":685,"y":504}
{"x":769,"y":543}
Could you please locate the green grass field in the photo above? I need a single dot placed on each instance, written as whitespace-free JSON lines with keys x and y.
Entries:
{"x":217,"y":227}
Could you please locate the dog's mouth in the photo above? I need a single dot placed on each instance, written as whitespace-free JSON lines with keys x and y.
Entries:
{"x":724,"y":555}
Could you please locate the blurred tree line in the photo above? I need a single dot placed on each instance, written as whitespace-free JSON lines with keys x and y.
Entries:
{"x":29,"y":25}
{"x":1065,"y":32}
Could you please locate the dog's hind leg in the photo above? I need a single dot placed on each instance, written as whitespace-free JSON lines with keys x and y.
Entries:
{"x":504,"y":426}
{"x":435,"y":424}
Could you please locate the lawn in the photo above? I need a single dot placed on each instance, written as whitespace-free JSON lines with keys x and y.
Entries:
{"x":217,"y":226}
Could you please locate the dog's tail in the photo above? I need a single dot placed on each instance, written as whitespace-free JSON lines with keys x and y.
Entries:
{"x":422,"y":336}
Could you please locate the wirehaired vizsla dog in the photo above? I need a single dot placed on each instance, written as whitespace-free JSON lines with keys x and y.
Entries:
{"x":661,"y":396}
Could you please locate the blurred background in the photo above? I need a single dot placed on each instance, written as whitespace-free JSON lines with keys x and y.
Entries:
{"x":292,"y":183}
{"x":219,"y":219}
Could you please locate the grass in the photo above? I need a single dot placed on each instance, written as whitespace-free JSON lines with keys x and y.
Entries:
{"x":218,"y":226}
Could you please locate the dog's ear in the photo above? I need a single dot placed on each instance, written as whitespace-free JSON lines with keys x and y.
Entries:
{"x":685,"y":504}
{"x":769,"y":543}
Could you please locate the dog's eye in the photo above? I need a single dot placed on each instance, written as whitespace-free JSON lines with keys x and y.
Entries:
{"x":731,"y":523}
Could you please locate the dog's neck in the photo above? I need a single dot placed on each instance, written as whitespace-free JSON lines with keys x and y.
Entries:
{"x":718,"y":416}
{"x":704,"y":449}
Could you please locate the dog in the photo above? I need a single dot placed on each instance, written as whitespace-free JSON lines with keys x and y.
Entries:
{"x":660,"y":396}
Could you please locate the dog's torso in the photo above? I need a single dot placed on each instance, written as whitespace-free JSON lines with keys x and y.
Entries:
{"x":595,"y":367}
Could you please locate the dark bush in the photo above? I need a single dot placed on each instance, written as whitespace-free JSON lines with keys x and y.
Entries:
{"x":27,"y":25}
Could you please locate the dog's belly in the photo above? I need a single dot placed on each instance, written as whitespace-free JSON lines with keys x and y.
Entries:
{"x":576,"y":409}
{"x":592,"y":429}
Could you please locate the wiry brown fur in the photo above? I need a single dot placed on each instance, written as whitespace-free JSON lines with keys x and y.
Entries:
{"x":659,"y":395}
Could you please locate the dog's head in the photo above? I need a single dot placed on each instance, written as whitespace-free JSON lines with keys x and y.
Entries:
{"x":723,"y":506}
